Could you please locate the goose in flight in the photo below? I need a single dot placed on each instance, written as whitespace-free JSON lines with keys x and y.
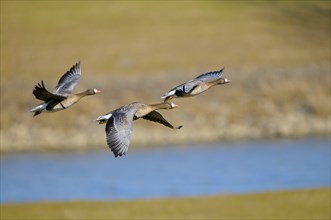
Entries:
{"x":196,"y":85}
{"x":63,"y":96}
{"x":119,"y":123}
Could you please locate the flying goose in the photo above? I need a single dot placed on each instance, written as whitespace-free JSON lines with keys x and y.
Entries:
{"x":119,"y":123}
{"x":63,"y":96}
{"x":196,"y":85}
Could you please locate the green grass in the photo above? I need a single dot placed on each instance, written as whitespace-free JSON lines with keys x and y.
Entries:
{"x":296,"y":204}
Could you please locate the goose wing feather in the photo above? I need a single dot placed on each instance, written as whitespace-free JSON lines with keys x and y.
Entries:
{"x":41,"y":93}
{"x":210,"y":76}
{"x":157,"y":117}
{"x":118,"y":131}
{"x":69,"y":80}
{"x":187,"y":88}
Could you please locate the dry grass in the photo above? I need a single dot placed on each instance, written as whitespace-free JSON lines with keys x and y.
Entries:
{"x":276,"y":54}
{"x":298,"y":204}
{"x":143,"y":38}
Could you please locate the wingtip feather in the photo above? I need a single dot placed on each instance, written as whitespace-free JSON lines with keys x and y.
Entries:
{"x":179,"y":127}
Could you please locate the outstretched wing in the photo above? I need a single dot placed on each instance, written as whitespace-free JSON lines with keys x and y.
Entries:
{"x":210,"y":75}
{"x":69,"y":80}
{"x":182,"y":88}
{"x":118,"y":131}
{"x":41,"y":93}
{"x":157,"y":117}
{"x":188,"y":87}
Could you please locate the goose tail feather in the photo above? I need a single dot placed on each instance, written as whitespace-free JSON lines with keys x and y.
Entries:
{"x":103,"y":118}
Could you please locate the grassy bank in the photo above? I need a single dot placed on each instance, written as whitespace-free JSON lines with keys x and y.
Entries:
{"x":297,"y":204}
{"x":275,"y":52}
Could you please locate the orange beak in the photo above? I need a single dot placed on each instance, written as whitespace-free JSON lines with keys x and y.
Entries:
{"x":174,"y":105}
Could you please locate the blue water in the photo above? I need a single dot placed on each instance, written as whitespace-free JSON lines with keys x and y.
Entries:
{"x":190,"y":170}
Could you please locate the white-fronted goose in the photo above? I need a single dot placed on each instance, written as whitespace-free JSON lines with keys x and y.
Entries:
{"x":119,"y":123}
{"x":63,"y":96}
{"x":197,"y":85}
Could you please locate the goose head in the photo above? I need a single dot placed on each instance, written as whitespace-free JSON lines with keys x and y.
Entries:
{"x":223,"y":81}
{"x":92,"y":91}
{"x":173,"y":105}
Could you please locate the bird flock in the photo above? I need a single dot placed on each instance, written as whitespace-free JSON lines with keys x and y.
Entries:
{"x":119,"y":121}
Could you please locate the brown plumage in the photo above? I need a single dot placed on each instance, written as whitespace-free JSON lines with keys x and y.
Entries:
{"x":63,"y":96}
{"x":196,"y":85}
{"x":119,"y":123}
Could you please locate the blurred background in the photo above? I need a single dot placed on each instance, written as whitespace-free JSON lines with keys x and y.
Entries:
{"x":269,"y":129}
{"x":277,"y":55}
